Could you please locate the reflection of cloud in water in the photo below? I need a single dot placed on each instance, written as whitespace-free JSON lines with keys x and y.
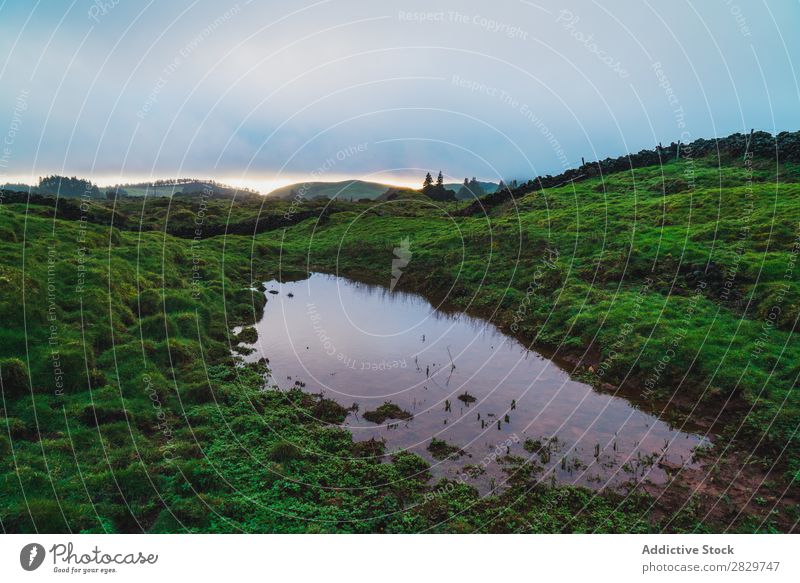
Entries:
{"x":362,"y":343}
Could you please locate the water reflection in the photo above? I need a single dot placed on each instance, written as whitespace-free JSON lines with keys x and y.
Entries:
{"x":454,"y":389}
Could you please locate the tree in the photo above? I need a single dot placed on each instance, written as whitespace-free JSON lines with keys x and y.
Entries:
{"x":68,"y":187}
{"x":437,"y":191}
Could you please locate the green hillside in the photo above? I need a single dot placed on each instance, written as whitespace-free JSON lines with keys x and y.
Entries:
{"x":125,"y":410}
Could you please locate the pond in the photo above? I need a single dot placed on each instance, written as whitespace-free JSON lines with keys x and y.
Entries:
{"x":459,"y":380}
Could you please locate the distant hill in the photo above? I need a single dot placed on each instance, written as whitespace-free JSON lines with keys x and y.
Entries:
{"x":73,"y":187}
{"x":181,"y":186}
{"x":344,"y":190}
{"x":488,"y":188}
{"x":16,"y":186}
{"x":403,"y":193}
{"x":356,"y":190}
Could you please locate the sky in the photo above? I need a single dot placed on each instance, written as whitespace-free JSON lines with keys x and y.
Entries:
{"x":265,"y":93}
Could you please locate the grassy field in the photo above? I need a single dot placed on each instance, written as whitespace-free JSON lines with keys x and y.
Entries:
{"x":124,"y":409}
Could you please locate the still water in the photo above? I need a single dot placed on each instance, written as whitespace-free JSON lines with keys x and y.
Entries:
{"x":365,"y":345}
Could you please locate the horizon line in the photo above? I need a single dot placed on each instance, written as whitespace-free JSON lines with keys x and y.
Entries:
{"x":262,"y":185}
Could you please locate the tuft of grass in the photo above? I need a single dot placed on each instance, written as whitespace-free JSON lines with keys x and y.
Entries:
{"x":440,"y":449}
{"x":387,"y":411}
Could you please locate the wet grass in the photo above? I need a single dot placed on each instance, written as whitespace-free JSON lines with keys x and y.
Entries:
{"x":440,"y":449}
{"x":690,"y":297}
{"x":385,"y":412}
{"x":124,"y":409}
